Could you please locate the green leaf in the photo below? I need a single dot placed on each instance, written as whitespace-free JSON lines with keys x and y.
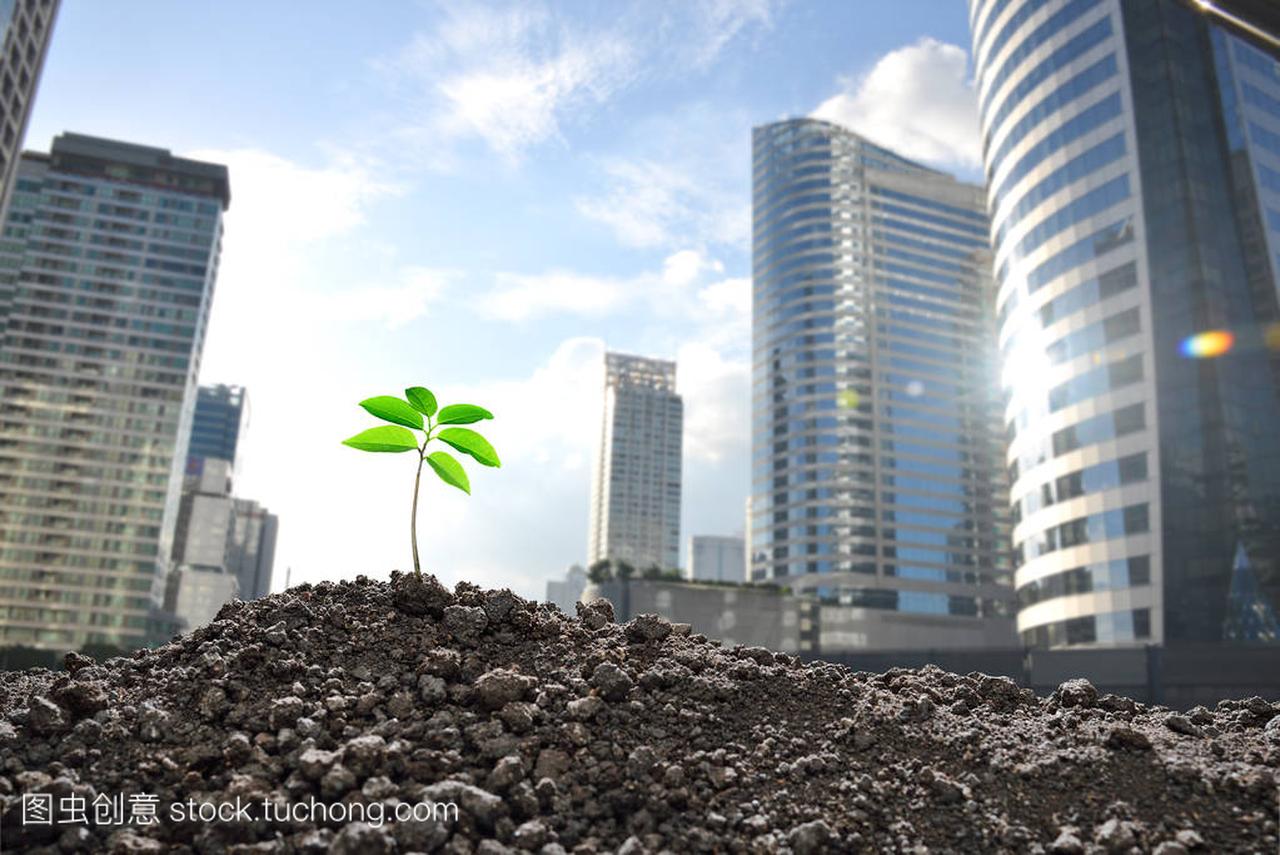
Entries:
{"x":421,"y":399}
{"x":385,"y":438}
{"x":462,"y":414}
{"x":394,"y":410}
{"x":469,"y":442}
{"x":449,"y":470}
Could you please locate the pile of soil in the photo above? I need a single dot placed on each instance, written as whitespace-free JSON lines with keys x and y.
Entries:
{"x":553,"y":734}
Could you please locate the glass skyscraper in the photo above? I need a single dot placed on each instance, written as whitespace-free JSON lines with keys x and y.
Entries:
{"x":107,"y":267}
{"x":877,"y":478}
{"x":222,"y":414}
{"x":636,"y":482}
{"x":1133,"y":159}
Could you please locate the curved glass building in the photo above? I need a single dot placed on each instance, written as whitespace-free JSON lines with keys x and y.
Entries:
{"x":1133,"y":162}
{"x":878,"y":478}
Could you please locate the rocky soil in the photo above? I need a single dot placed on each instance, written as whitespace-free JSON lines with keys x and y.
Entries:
{"x":557,"y":734}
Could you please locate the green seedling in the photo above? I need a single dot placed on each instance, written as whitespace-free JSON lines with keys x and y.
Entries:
{"x":416,"y":413}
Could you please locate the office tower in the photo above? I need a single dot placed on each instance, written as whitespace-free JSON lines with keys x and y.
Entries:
{"x":251,"y":548}
{"x":108,"y":260}
{"x":195,"y":594}
{"x":635,"y":488}
{"x":218,"y":534}
{"x":716,"y":559}
{"x":565,"y":592}
{"x":222,"y":414}
{"x":204,"y":514}
{"x":217,"y":531}
{"x":876,"y":479}
{"x":1133,"y":157}
{"x":27,"y":26}
{"x":241,"y":533}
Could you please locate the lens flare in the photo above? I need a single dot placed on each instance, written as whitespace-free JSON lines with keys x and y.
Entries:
{"x":1207,"y":345}
{"x":848,"y":399}
{"x":1272,"y":337}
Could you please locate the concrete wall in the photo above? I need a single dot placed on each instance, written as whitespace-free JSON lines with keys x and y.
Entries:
{"x":734,"y":614}
{"x":1179,"y":677}
{"x":848,"y":628}
{"x":768,"y":617}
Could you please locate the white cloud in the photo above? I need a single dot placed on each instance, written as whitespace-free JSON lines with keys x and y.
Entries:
{"x":392,"y":306}
{"x":684,"y":267}
{"x":716,"y":394}
{"x":512,"y":76}
{"x":917,"y":101}
{"x":275,"y":201}
{"x":648,"y":203}
{"x":728,"y":296}
{"x":718,"y":22}
{"x":687,"y":288}
{"x":270,"y":290}
{"x":508,"y":76}
{"x":521,"y":297}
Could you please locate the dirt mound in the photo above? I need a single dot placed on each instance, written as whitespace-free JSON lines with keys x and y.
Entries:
{"x":330,"y":715}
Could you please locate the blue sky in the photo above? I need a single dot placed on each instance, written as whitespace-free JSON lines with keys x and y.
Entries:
{"x":481,"y":198}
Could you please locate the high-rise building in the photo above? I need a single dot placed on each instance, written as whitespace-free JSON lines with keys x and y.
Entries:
{"x":108,"y":261}
{"x":195,"y":594}
{"x":877,"y":480}
{"x":218,"y":534}
{"x":222,"y":414}
{"x":635,"y":488}
{"x":713,"y":558}
{"x":204,"y":514}
{"x":27,"y":26}
{"x":238,"y":535}
{"x":565,"y":592}
{"x":1133,"y":157}
{"x":251,"y":549}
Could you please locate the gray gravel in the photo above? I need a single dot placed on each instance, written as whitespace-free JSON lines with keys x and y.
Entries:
{"x":573,"y":734}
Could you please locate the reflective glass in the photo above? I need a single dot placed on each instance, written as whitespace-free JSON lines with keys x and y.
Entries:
{"x":1106,"y":152}
{"x":1052,"y":25}
{"x":1094,"y":246}
{"x":1094,"y":336}
{"x":1083,"y":83}
{"x":1073,"y":129}
{"x":1094,"y":382}
{"x":1109,"y":627}
{"x":1094,"y":202}
{"x":1073,"y":49}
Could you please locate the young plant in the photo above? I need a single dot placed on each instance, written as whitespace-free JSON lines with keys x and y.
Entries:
{"x":416,"y":413}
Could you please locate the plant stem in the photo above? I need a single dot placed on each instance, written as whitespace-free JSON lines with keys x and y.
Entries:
{"x":417,"y":480}
{"x":413,"y":522}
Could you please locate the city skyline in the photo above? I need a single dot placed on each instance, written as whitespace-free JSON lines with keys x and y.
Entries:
{"x":367,"y":151}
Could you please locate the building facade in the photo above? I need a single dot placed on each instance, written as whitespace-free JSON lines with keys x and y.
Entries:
{"x":565,"y":592}
{"x":713,"y":558}
{"x":221,"y":417}
{"x":27,"y":26}
{"x":636,"y":482}
{"x":251,"y":547}
{"x":195,"y":594}
{"x":239,"y":534}
{"x":204,"y":514}
{"x":1132,"y":153}
{"x":108,"y":261}
{"x":877,"y":478}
